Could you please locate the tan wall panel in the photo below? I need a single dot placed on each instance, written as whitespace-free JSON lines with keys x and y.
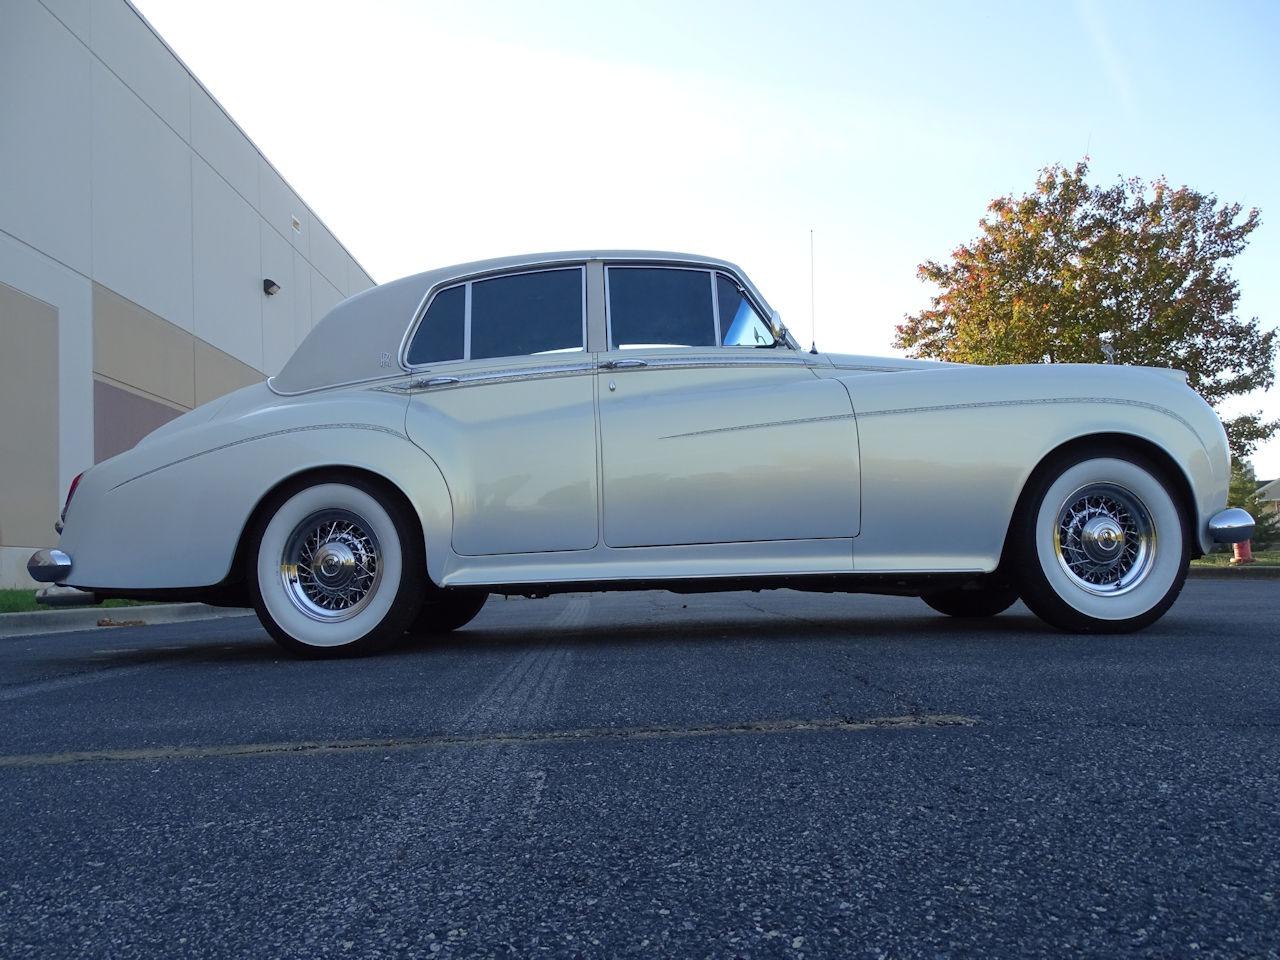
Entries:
{"x":218,"y":373}
{"x":138,"y":348}
{"x":29,"y":495}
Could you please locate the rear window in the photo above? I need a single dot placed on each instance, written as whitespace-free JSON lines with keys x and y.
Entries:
{"x":509,"y":316}
{"x":527,"y":313}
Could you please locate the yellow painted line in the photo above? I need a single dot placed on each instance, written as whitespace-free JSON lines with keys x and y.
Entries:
{"x":528,"y":738}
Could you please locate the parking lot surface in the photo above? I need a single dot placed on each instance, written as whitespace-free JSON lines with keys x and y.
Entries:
{"x":769,"y":774}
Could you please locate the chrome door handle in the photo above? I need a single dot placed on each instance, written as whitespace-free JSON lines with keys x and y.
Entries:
{"x":437,"y":381}
{"x":624,"y":364}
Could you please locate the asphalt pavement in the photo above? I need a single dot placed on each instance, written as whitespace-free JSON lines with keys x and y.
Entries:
{"x":771,"y":774}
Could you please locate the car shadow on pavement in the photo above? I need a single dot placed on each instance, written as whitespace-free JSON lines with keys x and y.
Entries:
{"x":774,"y":629}
{"x":254,"y":647}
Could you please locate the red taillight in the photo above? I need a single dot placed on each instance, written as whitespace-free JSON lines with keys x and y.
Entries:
{"x":71,"y":493}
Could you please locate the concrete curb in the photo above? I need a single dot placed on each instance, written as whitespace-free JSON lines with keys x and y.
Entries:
{"x":86,"y":618}
{"x":1233,"y":573}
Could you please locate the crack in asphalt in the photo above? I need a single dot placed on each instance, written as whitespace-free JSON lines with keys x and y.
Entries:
{"x":533,"y":737}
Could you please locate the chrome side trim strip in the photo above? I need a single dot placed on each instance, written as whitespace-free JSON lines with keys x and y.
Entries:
{"x":485,"y":377}
{"x":762,"y":426}
{"x":978,"y":404}
{"x":265,"y":436}
{"x":870,"y":368}
{"x":939,"y":408}
{"x":693,"y":363}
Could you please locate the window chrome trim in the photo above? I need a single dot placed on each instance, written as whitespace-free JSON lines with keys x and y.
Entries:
{"x":699,"y":362}
{"x":467,"y":283}
{"x":500,"y":375}
{"x":715,"y":308}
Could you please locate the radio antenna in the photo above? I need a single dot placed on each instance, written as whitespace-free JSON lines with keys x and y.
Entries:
{"x":813,"y":312}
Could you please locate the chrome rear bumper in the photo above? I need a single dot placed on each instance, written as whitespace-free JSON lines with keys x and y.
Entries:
{"x":49,"y":566}
{"x":1231,"y":525}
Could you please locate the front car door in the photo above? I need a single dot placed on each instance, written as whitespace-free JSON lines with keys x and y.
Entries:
{"x":503,"y":401}
{"x":709,"y":433}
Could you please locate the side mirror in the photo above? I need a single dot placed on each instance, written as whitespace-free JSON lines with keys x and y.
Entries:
{"x":775,"y":324}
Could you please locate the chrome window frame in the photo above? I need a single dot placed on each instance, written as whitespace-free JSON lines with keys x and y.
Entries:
{"x":468,"y":282}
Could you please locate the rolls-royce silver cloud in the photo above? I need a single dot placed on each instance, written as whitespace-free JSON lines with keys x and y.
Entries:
{"x":624,"y":420}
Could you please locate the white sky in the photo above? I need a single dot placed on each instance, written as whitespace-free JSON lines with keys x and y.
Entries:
{"x":428,"y":133}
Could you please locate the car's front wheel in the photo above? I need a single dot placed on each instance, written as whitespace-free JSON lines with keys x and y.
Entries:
{"x":335,"y":568}
{"x":1100,"y":544}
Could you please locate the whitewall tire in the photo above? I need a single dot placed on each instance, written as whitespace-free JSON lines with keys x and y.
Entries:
{"x":336,"y":567}
{"x":1101,"y":544}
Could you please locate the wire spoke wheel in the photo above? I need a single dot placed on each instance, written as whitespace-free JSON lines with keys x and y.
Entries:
{"x":331,"y":565}
{"x":1105,"y":539}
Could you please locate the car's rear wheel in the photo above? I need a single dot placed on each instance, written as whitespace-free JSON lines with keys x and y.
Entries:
{"x":1101,"y":543}
{"x":335,"y":568}
{"x":447,"y":610}
{"x":974,"y":601}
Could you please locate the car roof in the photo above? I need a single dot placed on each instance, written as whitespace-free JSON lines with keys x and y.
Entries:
{"x":359,"y":340}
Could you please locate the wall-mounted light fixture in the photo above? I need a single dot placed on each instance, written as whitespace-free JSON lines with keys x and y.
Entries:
{"x":270,"y":287}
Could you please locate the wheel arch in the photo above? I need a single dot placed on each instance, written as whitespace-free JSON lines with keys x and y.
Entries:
{"x":1119,"y":442}
{"x":306,"y":477}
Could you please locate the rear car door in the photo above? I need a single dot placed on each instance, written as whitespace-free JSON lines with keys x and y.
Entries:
{"x":504,"y":403}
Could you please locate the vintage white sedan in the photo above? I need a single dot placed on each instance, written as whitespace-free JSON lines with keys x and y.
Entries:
{"x":625,"y":420}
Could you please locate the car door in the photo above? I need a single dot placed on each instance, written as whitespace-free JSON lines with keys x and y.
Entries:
{"x":503,"y":401}
{"x":708,"y":435}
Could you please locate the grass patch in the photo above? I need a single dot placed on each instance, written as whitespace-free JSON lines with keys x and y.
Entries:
{"x":24,"y":601}
{"x":1265,"y":558}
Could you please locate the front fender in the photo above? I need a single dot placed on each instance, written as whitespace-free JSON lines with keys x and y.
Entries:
{"x":947,"y":451}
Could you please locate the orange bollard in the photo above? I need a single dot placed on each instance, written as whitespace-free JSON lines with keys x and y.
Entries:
{"x":1243,"y":553}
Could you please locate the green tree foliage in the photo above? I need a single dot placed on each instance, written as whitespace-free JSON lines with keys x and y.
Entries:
{"x":1144,"y":269}
{"x":1244,"y":493}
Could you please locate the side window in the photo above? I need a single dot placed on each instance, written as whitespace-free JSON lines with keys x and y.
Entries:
{"x":660,"y":306}
{"x":511,"y":316}
{"x":740,"y":325}
{"x":527,"y":313}
{"x":441,"y":335}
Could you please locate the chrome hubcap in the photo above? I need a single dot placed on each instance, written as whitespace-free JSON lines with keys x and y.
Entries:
{"x":331,"y":565}
{"x":1105,"y":539}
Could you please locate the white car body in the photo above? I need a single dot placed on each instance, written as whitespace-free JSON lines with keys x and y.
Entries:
{"x":616,"y":467}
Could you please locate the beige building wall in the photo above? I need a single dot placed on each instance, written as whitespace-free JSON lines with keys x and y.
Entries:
{"x":147,"y":371}
{"x":137,"y":225}
{"x":28,"y":418}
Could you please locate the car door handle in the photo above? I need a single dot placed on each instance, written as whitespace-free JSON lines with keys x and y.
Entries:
{"x":437,"y":381}
{"x":624,"y":364}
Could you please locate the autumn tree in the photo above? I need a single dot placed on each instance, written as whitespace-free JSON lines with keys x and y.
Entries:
{"x":1243,"y":492}
{"x":1071,"y":272}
